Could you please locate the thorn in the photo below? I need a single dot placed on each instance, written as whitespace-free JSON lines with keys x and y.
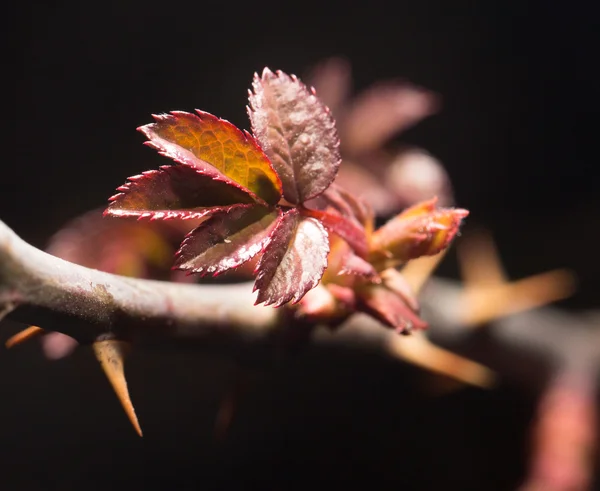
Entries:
{"x":484,"y":304}
{"x":111,"y":354}
{"x":418,"y":271}
{"x":419,"y":351}
{"x":479,"y":261}
{"x":24,"y":335}
{"x":489,"y":295}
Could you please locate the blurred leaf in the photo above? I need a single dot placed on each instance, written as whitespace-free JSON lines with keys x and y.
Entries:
{"x":344,"y":295}
{"x":217,"y":148}
{"x":297,"y":132}
{"x":356,"y":266}
{"x":227,"y":240}
{"x":373,"y":169}
{"x":346,"y":204}
{"x":332,"y":79}
{"x":294,"y":260}
{"x":346,"y":228}
{"x":383,"y":110}
{"x":389,"y":308}
{"x":318,"y":303}
{"x":396,"y":281}
{"x":344,"y":267}
{"x":125,"y":247}
{"x":363,"y":178}
{"x":174,"y":192}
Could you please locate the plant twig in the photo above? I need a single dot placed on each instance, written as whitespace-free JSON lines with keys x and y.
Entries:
{"x":38,"y":288}
{"x":108,"y":310}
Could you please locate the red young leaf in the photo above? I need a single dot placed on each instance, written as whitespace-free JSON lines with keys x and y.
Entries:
{"x":344,"y":295}
{"x":174,"y":192}
{"x":350,"y":206}
{"x":318,"y":302}
{"x":227,"y":240}
{"x":421,"y":230}
{"x":389,"y":308}
{"x":331,"y":304}
{"x":338,"y":248}
{"x":357,"y":219}
{"x":297,"y":132}
{"x":357,"y":266}
{"x":395,"y":281}
{"x":294,"y":260}
{"x":343,"y":264}
{"x":346,"y":228}
{"x":217,"y":148}
{"x":136,"y":249}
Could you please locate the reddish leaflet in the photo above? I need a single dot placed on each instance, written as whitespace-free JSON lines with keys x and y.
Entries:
{"x":269,"y":195}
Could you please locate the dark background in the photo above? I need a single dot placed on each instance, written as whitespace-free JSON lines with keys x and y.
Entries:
{"x":516,"y":134}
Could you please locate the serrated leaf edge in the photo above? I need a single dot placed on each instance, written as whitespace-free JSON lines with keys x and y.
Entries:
{"x":203,"y":273}
{"x":267,"y":72}
{"x":147,"y":131}
{"x":298,"y":295}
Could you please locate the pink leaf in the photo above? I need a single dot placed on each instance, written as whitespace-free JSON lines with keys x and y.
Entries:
{"x":346,"y":296}
{"x":346,"y":204}
{"x":318,"y":302}
{"x":294,"y":260}
{"x":346,"y":228}
{"x":395,"y":281}
{"x":123,"y":247}
{"x":344,"y":267}
{"x":357,"y":266}
{"x":389,"y":308}
{"x":174,"y":192}
{"x":297,"y":132}
{"x":364,"y":179}
{"x":227,"y":240}
{"x":381,"y":111}
{"x":332,"y":80}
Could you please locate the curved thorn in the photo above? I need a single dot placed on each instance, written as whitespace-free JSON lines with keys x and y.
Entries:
{"x":479,"y":261}
{"x":419,"y":351}
{"x":485,"y":304}
{"x":24,"y":335}
{"x":111,"y":354}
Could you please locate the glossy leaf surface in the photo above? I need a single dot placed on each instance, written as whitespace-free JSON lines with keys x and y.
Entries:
{"x":227,"y":240}
{"x":174,"y":192}
{"x":294,"y":260}
{"x":217,"y":148}
{"x":297,"y":132}
{"x":347,"y":229}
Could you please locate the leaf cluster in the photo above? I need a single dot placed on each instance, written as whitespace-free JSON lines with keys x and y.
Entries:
{"x":268,"y":195}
